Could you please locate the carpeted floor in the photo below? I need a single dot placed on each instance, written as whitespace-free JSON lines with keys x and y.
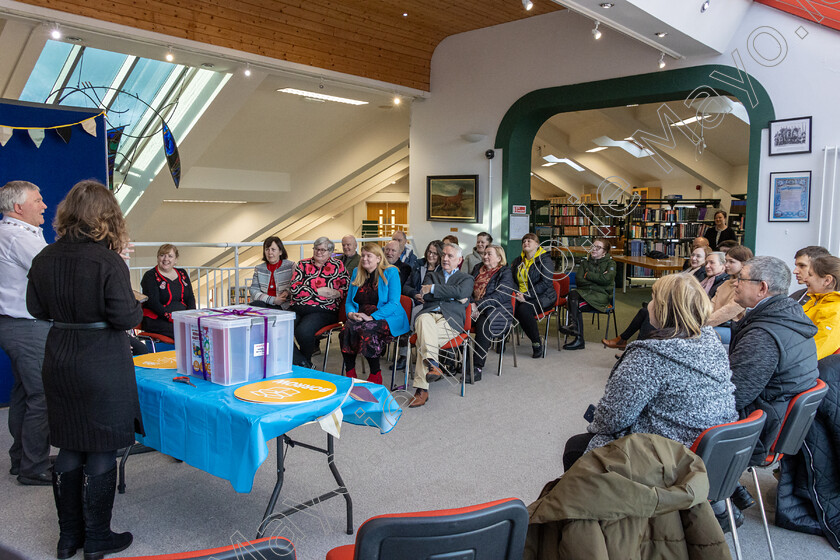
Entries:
{"x":504,"y":438}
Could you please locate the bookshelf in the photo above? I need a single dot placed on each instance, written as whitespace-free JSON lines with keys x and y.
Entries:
{"x":573,"y":223}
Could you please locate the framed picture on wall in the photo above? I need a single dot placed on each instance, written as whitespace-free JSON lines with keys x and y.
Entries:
{"x":452,"y":198}
{"x":790,"y":136}
{"x":790,"y":196}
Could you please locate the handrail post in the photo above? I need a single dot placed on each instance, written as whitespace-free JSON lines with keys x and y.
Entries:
{"x":235,"y":269}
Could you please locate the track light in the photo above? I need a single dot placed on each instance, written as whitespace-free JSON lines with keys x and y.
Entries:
{"x":397,"y":100}
{"x":169,"y":56}
{"x":247,"y":70}
{"x":662,"y":60}
{"x":527,"y":4}
{"x":55,"y":32}
{"x":596,"y":32}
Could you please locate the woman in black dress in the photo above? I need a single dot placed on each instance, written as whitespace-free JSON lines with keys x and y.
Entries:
{"x":82,"y":284}
{"x":168,"y":289}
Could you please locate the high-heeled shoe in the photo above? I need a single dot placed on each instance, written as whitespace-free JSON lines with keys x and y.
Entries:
{"x":617,"y":342}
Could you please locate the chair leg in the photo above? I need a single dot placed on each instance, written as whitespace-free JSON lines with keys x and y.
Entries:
{"x":326,"y":352}
{"x":763,"y":513}
{"x":501,"y":355}
{"x":734,"y":528}
{"x":545,"y":338}
{"x":513,"y":347}
{"x":396,"y":355}
{"x":464,"y":370}
{"x":559,"y":346}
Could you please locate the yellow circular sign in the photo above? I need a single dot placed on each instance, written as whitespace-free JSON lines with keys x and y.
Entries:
{"x":157,"y":360}
{"x":293,"y":390}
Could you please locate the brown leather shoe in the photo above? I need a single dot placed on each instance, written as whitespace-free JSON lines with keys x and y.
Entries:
{"x":420,"y":398}
{"x":435,"y":373}
{"x":616,"y":342}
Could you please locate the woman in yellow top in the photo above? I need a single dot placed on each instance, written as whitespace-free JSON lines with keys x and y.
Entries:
{"x":823,"y":305}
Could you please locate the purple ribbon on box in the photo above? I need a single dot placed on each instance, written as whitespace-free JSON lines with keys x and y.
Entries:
{"x":249,"y":312}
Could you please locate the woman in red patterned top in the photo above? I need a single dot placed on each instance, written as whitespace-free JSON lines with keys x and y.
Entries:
{"x":318,"y":286}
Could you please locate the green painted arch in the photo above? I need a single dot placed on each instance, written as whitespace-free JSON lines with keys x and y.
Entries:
{"x":520,"y":124}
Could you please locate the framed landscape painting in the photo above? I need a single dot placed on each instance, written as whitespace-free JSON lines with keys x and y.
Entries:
{"x":452,"y":198}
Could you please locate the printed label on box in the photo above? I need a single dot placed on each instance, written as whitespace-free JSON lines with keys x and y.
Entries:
{"x":258,"y":349}
{"x":196,"y":352}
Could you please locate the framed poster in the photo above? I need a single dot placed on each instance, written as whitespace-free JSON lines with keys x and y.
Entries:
{"x":790,"y":196}
{"x":790,"y":136}
{"x":452,"y":198}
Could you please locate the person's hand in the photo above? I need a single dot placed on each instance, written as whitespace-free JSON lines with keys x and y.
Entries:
{"x":365,"y":317}
{"x":464,"y":300}
{"x":519,"y":296}
{"x":126,"y":252}
{"x":418,"y":298}
{"x":426,"y":288}
{"x":474,"y":308}
{"x":282,"y":296}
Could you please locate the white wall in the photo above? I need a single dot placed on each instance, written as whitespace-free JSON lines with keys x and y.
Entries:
{"x":477,"y":76}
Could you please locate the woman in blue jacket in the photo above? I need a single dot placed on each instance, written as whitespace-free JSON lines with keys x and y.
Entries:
{"x":374,"y":313}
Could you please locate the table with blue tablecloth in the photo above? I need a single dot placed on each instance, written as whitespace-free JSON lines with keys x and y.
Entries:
{"x":206,"y":426}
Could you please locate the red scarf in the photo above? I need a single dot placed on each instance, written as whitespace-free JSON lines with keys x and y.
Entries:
{"x":272,"y":287}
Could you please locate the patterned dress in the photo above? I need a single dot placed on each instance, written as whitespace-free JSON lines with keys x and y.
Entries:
{"x":368,"y":338}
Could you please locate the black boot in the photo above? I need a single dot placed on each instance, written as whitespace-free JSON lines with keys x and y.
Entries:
{"x":67,"y":491}
{"x":578,"y":343}
{"x":537,"y":348}
{"x":97,"y":503}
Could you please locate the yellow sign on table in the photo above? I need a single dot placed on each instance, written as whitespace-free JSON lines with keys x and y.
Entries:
{"x":157,"y":360}
{"x":294,"y":390}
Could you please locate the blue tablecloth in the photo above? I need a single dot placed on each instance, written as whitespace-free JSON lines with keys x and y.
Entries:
{"x":207,"y":427}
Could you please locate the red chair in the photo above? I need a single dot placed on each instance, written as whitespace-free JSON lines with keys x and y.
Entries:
{"x":799,"y":416}
{"x":152,"y":337}
{"x":492,"y":531}
{"x":726,"y":450}
{"x":461,"y":341}
{"x":269,"y":548}
{"x":561,"y":285}
{"x":407,"y":305}
{"x":326,"y":332}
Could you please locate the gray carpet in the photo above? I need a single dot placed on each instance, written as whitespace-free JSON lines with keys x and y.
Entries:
{"x":504,"y":439}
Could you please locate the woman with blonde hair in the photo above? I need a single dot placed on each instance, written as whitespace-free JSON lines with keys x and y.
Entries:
{"x":675,"y":383}
{"x":168,"y":289}
{"x":81,"y":283}
{"x":823,"y":305}
{"x":374,"y":313}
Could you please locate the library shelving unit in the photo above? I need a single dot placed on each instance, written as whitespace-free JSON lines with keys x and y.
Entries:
{"x":540,"y":221}
{"x":667,"y":225}
{"x":738,"y":215}
{"x":572,"y":224}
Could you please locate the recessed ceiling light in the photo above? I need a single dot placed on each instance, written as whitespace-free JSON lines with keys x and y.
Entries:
{"x":55,"y":32}
{"x":397,"y":100}
{"x":208,"y":65}
{"x":598,"y":149}
{"x":169,"y":56}
{"x":405,"y":14}
{"x":75,"y":39}
{"x":704,"y":6}
{"x":247,"y":70}
{"x":607,"y":5}
{"x":321,"y":96}
{"x":661,"y":34}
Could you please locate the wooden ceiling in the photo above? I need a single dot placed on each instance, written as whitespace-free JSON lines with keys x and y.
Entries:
{"x":369,"y":38}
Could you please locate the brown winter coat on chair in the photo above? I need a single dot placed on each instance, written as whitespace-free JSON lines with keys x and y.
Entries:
{"x":642,"y":496}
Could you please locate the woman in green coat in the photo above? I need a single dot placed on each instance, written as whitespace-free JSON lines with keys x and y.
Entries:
{"x":595,"y":279}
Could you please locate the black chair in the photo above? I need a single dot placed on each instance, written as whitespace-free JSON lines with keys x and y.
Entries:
{"x":726,"y":450}
{"x":800,"y":415}
{"x":495,"y":530}
{"x":270,"y":548}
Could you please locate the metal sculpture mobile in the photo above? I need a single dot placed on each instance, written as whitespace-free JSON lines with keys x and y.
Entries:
{"x":124,"y":160}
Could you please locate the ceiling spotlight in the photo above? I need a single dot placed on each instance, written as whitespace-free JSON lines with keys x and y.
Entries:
{"x":705,"y":6}
{"x":397,"y":100}
{"x":662,"y":60}
{"x":596,"y":32}
{"x":661,"y":34}
{"x":169,"y":56}
{"x":247,"y":70}
{"x":527,"y":4}
{"x":55,"y":32}
{"x":405,"y":14}
{"x":607,"y":5}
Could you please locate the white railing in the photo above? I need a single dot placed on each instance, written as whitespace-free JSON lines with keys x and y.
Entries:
{"x":219,"y":286}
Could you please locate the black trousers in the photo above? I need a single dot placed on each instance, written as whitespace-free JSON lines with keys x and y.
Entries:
{"x":575,"y":448}
{"x":526,"y":313}
{"x":309,"y":320}
{"x":640,"y":324}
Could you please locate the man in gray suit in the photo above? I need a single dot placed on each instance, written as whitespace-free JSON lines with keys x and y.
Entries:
{"x":446,"y":293}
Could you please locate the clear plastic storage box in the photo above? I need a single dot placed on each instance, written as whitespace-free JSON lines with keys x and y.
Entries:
{"x":233,"y":346}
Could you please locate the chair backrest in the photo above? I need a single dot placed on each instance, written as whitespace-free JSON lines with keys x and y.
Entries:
{"x":564,"y":282}
{"x":407,"y":305}
{"x":495,"y":530}
{"x":342,"y":309}
{"x":800,"y":415}
{"x":269,"y":548}
{"x":468,"y":319}
{"x":726,"y":450}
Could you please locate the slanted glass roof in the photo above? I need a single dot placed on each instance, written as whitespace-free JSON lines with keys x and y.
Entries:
{"x":137,"y":93}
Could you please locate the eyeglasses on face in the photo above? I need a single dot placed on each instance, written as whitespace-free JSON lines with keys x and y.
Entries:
{"x":738,"y":280}
{"x":320,"y":250}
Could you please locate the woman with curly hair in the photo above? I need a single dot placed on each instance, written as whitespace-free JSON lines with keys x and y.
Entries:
{"x":81,"y":283}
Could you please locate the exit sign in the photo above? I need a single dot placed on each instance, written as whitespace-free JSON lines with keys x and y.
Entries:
{"x":520,"y":209}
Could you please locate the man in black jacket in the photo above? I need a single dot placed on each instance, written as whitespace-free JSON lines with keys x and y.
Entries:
{"x":392,"y":255}
{"x":773,"y":355}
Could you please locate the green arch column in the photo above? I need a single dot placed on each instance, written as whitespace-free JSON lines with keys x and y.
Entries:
{"x":520,"y":124}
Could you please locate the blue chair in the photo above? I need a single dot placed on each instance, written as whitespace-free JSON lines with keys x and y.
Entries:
{"x":610,"y":311}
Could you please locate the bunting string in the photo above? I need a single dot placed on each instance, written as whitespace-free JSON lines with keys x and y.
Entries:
{"x":52,"y":127}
